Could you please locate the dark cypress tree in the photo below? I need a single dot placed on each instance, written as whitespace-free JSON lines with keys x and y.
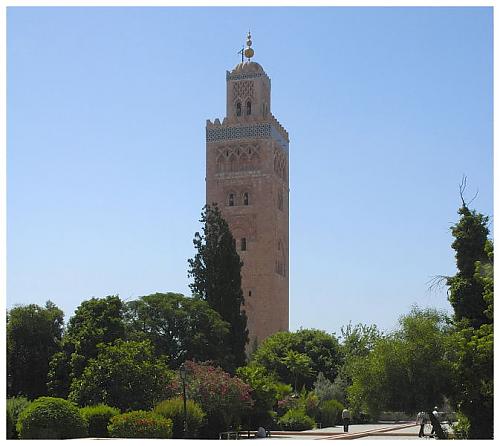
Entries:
{"x":216,"y":273}
{"x":465,"y":289}
{"x":471,"y":295}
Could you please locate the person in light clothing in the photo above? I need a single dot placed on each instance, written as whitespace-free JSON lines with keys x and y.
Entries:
{"x":346,"y":419}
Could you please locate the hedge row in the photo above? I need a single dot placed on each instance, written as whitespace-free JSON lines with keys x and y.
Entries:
{"x":56,"y":418}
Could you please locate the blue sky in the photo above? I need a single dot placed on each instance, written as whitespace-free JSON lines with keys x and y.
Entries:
{"x":386,"y":109}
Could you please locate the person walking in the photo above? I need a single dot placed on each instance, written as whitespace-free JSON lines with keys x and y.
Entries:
{"x":421,"y":418}
{"x":346,"y":418}
{"x":436,"y":415}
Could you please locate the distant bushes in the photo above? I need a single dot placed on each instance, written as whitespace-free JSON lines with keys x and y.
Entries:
{"x":98,"y":418}
{"x":174,"y":410}
{"x":330,"y":413}
{"x":296,"y":420}
{"x":51,"y":418}
{"x":140,"y":424}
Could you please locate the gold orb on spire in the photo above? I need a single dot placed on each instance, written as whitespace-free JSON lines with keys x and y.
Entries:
{"x":248,"y":50}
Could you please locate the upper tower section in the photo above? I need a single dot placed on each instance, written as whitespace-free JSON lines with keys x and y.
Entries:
{"x":248,"y":104}
{"x":248,"y":89}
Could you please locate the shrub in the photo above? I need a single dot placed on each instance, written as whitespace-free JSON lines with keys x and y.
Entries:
{"x":311,"y":405}
{"x":330,"y":413}
{"x":97,"y":418}
{"x":225,"y":399}
{"x":296,"y":420}
{"x":462,"y":427}
{"x":140,"y":424}
{"x":14,"y":407}
{"x":174,"y":410}
{"x":51,"y":418}
{"x":10,"y":426}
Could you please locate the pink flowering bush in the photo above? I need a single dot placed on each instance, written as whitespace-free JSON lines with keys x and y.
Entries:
{"x":224,"y":398}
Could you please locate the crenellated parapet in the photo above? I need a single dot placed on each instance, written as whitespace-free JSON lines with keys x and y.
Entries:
{"x":245,"y":129}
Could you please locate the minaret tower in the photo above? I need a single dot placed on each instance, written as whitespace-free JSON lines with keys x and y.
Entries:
{"x":247,"y":176}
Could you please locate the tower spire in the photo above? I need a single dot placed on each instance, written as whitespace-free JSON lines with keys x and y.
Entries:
{"x":249,"y":51}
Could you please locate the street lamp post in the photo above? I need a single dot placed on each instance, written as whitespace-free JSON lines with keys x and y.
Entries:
{"x":182,"y":373}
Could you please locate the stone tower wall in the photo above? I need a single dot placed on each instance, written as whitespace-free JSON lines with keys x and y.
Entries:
{"x":247,"y":159}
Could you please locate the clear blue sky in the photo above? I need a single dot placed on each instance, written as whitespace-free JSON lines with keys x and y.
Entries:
{"x":386,"y":109}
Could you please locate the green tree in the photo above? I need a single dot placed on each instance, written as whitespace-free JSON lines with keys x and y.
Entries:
{"x":321,"y":348}
{"x":179,"y":327}
{"x":126,"y":375}
{"x":216,"y":273}
{"x":407,"y":370}
{"x":266,"y":390}
{"x":471,"y":295}
{"x":465,"y":288}
{"x":95,"y":321}
{"x":299,"y":365}
{"x":33,"y":336}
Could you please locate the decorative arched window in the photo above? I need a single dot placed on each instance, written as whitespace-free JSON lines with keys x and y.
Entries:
{"x":243,"y":244}
{"x":238,"y":109}
{"x":249,"y":108}
{"x":245,"y":199}
{"x":231,"y":200}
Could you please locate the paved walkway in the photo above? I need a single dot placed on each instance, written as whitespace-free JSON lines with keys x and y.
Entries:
{"x":379,"y":431}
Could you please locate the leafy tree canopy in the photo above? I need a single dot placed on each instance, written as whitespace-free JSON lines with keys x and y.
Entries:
{"x":33,"y":336}
{"x":179,"y":327}
{"x":408,"y":369}
{"x":322,"y":350}
{"x":126,"y":375}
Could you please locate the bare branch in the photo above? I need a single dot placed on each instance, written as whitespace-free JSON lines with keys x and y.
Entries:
{"x":475,"y":196}
{"x":462,"y":187}
{"x":437,"y":283}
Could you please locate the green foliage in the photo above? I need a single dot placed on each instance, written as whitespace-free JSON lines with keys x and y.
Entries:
{"x":216,"y":273}
{"x":58,"y":376}
{"x":95,"y":321}
{"x":126,"y":375}
{"x":296,"y":420}
{"x":473,"y":364}
{"x":461,"y":428}
{"x":33,"y":336}
{"x":140,"y":424}
{"x":465,"y":290}
{"x":298,"y":364}
{"x":98,"y":418}
{"x":326,"y":390}
{"x":174,"y":410}
{"x":179,"y":327}
{"x":330,"y":413}
{"x":51,"y":418}
{"x":311,"y":404}
{"x":471,"y":293}
{"x":15,"y":406}
{"x":223,"y":398}
{"x":266,"y":390}
{"x":406,"y":370}
{"x":322,"y":349}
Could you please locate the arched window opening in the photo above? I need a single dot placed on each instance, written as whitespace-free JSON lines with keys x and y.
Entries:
{"x":245,"y":199}
{"x":231,"y":200}
{"x":238,"y":109}
{"x":250,"y":294}
{"x":249,"y":108}
{"x":243,"y":244}
{"x":280,"y":200}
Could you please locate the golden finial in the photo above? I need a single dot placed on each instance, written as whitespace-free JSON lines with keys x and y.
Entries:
{"x":248,"y":50}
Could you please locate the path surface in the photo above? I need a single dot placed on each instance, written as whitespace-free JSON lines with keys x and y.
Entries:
{"x":379,"y":431}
